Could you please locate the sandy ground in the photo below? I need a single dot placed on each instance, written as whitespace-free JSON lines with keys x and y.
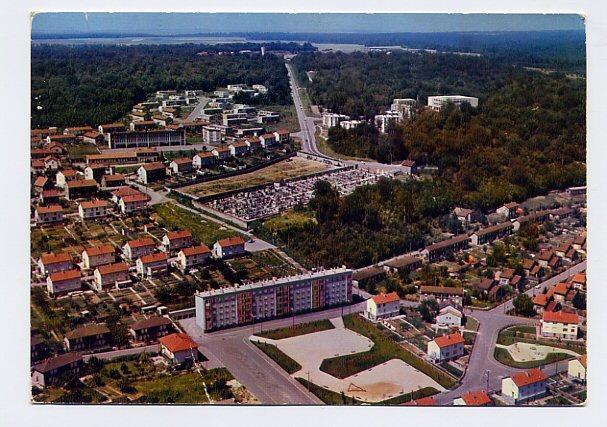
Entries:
{"x":381,"y":382}
{"x":525,"y":352}
{"x":297,"y":166}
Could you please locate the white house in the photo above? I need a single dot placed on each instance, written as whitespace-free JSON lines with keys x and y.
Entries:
{"x":51,"y":262}
{"x":232,"y":246}
{"x":92,"y":209}
{"x":383,"y":306}
{"x":560,"y":324}
{"x":576,"y":369}
{"x":525,"y":386}
{"x":110,"y":275}
{"x":449,"y":316}
{"x":152,"y":264}
{"x":179,"y":347}
{"x":139,"y":247}
{"x":193,"y":256}
{"x":446,"y":347}
{"x":62,"y":282}
{"x":98,"y":255}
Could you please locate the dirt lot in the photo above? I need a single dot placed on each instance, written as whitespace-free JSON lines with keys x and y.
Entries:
{"x":295,"y":167}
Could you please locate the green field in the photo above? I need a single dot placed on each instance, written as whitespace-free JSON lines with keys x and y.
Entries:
{"x":172,"y":217}
{"x":297,"y":330}
{"x":503,"y":356}
{"x":384,"y":349}
{"x":288,"y":220}
{"x":284,"y":361}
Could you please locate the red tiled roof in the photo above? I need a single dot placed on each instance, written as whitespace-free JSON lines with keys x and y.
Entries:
{"x":64,"y":275}
{"x":52,"y":258}
{"x":584,"y":361}
{"x":561,"y":317}
{"x":178,"y":342}
{"x":562,"y":288}
{"x":231,"y":241}
{"x":146,"y":241}
{"x":160,"y":256}
{"x":114,"y":177}
{"x":451,"y":339}
{"x":51,"y":193}
{"x":82,"y":183}
{"x":476,"y":398}
{"x":131,"y":198}
{"x":580,"y":278}
{"x":386,"y":298}
{"x":196,"y":250}
{"x":408,"y":163}
{"x":99,"y":250}
{"x":49,"y":209}
{"x":89,"y":204}
{"x":53,"y":363}
{"x":180,"y":234}
{"x":113,"y":268}
{"x":153,"y":166}
{"x":541,"y":300}
{"x":125,"y":191}
{"x":529,"y":377}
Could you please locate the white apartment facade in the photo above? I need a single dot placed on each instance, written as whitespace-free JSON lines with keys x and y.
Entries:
{"x":438,"y":102}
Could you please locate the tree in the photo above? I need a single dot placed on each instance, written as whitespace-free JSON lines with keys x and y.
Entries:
{"x":579,"y":301}
{"x":428,"y":309}
{"x":523,"y":305}
{"x":325,"y":201}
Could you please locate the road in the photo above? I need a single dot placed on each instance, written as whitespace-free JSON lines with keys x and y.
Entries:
{"x":308,"y":133}
{"x":249,"y":365}
{"x":202,"y":102}
{"x":482,"y":364}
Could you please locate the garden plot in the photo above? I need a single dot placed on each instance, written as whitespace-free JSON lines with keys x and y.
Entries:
{"x":527,"y":352}
{"x":384,"y":381}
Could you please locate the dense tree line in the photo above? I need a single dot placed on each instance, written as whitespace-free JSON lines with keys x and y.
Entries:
{"x":99,"y":84}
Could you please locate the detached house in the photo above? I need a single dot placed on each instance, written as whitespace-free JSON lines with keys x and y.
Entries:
{"x":88,"y":338}
{"x":48,"y":214}
{"x":151,"y":172}
{"x":98,"y":255}
{"x":576,"y":369}
{"x":175,"y":240}
{"x":92,"y":209}
{"x":232,"y":246}
{"x":113,"y":180}
{"x":179,"y":347}
{"x":133,"y":203}
{"x":152,"y":264}
{"x":63,"y":282}
{"x":560,"y":324}
{"x":81,"y":189}
{"x":447,"y":347}
{"x":525,"y":386}
{"x":383,"y":306}
{"x":51,"y":263}
{"x":474,"y":398}
{"x":138,"y":248}
{"x":50,"y":370}
{"x":111,"y":275}
{"x":193,"y":256}
{"x":150,"y":329}
{"x":449,"y":316}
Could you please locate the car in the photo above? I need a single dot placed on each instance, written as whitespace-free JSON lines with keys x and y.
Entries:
{"x":538,"y":286}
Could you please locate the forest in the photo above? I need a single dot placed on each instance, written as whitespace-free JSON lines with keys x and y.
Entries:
{"x":91,"y":85}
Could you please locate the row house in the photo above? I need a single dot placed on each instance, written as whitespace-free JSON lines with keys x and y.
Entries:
{"x":441,"y":293}
{"x":489,"y":234}
{"x":111,"y":276}
{"x":93,"y":137}
{"x":152,"y":264}
{"x":239,"y":148}
{"x":52,"y":263}
{"x":88,"y":338}
{"x":222,"y":153}
{"x":509,"y":210}
{"x":446,"y":248}
{"x":92,"y":209}
{"x":94,"y":256}
{"x":175,"y":240}
{"x":77,"y":130}
{"x":537,"y":217}
{"x":63,"y":282}
{"x":111,"y":127}
{"x":193,"y":256}
{"x":138,"y":248}
{"x":51,"y":196}
{"x":268,"y":140}
{"x":48,"y":214}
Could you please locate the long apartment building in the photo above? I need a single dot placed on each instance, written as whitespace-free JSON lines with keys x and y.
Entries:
{"x":146,"y":138}
{"x":240,"y":305}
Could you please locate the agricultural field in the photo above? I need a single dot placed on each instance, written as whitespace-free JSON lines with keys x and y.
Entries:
{"x":285,"y":169}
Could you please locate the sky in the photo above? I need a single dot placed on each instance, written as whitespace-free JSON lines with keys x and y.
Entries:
{"x":189,"y":23}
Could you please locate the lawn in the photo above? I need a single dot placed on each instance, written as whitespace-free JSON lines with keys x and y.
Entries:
{"x":186,"y":388}
{"x":290,"y":168}
{"x":503,"y":356}
{"x":384,"y":349}
{"x":205,"y":231}
{"x":332,"y":398}
{"x":284,"y":361}
{"x":288,"y":118}
{"x":288,"y":220}
{"x":78,"y":151}
{"x":297,"y":330}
